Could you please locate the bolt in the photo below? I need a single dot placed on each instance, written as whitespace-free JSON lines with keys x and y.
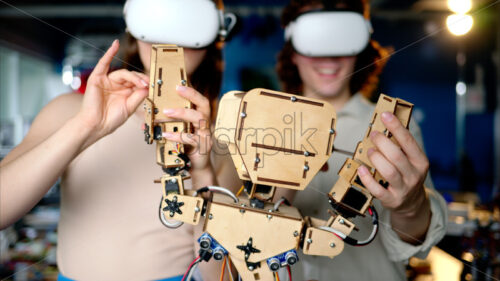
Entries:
{"x":332,"y":245}
{"x":243,"y":115}
{"x":210,"y":216}
{"x":341,"y":221}
{"x":309,"y":241}
{"x":183,"y":82}
{"x":306,"y":153}
{"x":257,"y":160}
{"x":196,"y":209}
{"x":250,"y":268}
{"x":269,"y":216}
{"x":295,"y":233}
{"x":293,"y":98}
{"x":159,"y":82}
{"x":306,"y":168}
{"x":332,"y":131}
{"x":174,"y":180}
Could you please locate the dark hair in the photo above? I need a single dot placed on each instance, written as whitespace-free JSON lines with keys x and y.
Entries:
{"x":369,"y":62}
{"x":206,"y":79}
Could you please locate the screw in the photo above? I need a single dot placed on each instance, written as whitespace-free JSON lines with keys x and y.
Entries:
{"x":306,"y":153}
{"x":243,"y":115}
{"x":269,"y":216}
{"x":183,"y":82}
{"x":250,"y":268}
{"x":152,"y":85}
{"x":341,"y":221}
{"x":295,"y":233}
{"x":360,"y":150}
{"x":175,"y":198}
{"x":293,"y":98}
{"x":171,"y":213}
{"x":196,"y":209}
{"x":242,"y":211}
{"x":309,"y":240}
{"x":257,"y":160}
{"x":306,"y":168}
{"x":159,"y":82}
{"x":177,"y":161}
{"x":210,"y":216}
{"x":332,"y":131}
{"x":332,"y":245}
{"x":174,"y":180}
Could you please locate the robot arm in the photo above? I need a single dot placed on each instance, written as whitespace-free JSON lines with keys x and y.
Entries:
{"x":277,"y":140}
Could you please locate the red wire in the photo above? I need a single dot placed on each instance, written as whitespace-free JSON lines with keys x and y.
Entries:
{"x":289,"y":273}
{"x":189,"y":268}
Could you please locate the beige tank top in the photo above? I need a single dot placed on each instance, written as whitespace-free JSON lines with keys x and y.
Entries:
{"x":109,"y":227}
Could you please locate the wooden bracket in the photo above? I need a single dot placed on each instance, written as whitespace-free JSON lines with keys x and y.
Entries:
{"x":167,"y":72}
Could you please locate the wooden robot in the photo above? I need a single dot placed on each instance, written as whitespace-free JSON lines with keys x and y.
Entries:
{"x":276,"y":140}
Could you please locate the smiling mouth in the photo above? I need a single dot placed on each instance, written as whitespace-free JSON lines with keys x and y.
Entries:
{"x":328,"y":71}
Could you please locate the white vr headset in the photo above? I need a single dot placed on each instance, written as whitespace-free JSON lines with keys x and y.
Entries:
{"x":329,"y":33}
{"x":187,"y":23}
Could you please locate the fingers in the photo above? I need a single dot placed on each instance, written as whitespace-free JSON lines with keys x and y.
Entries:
{"x":128,"y":78}
{"x":102,"y":66}
{"x":201,"y":143}
{"x":385,"y":168}
{"x":405,"y":139}
{"x":393,"y":154}
{"x":195,"y":117}
{"x":373,"y":186}
{"x":135,"y":99}
{"x":201,"y":102}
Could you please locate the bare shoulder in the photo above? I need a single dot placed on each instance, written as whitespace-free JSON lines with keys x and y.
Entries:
{"x":52,"y":117}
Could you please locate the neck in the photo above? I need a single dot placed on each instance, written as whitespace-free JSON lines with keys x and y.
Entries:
{"x":337,"y":101}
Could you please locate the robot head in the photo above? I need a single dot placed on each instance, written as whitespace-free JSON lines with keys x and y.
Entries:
{"x":329,"y":33}
{"x":187,"y":23}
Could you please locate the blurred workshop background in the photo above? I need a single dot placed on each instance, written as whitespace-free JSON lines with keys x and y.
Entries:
{"x":451,"y":74}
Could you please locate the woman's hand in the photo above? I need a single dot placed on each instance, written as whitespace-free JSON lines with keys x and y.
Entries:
{"x":405,"y":168}
{"x":200,"y":142}
{"x":110,"y":98}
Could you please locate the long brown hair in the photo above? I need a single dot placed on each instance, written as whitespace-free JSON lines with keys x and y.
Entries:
{"x":369,"y":63}
{"x":206,"y":79}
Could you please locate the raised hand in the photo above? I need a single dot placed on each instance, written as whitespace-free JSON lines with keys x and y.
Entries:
{"x":111,"y":98}
{"x":405,"y":168}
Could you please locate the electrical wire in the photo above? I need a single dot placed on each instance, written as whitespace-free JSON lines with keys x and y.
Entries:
{"x":289,"y":273}
{"x":190,"y":275}
{"x":278,"y":203}
{"x":355,"y":242}
{"x":190,"y":267}
{"x":217,"y":189}
{"x":276,"y":276}
{"x":223,"y":269}
{"x":230,"y":268}
{"x":239,"y":191}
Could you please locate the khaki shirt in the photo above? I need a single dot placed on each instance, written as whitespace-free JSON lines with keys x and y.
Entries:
{"x":385,"y":258}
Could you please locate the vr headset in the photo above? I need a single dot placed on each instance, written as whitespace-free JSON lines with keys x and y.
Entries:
{"x":187,"y":23}
{"x":329,"y":33}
